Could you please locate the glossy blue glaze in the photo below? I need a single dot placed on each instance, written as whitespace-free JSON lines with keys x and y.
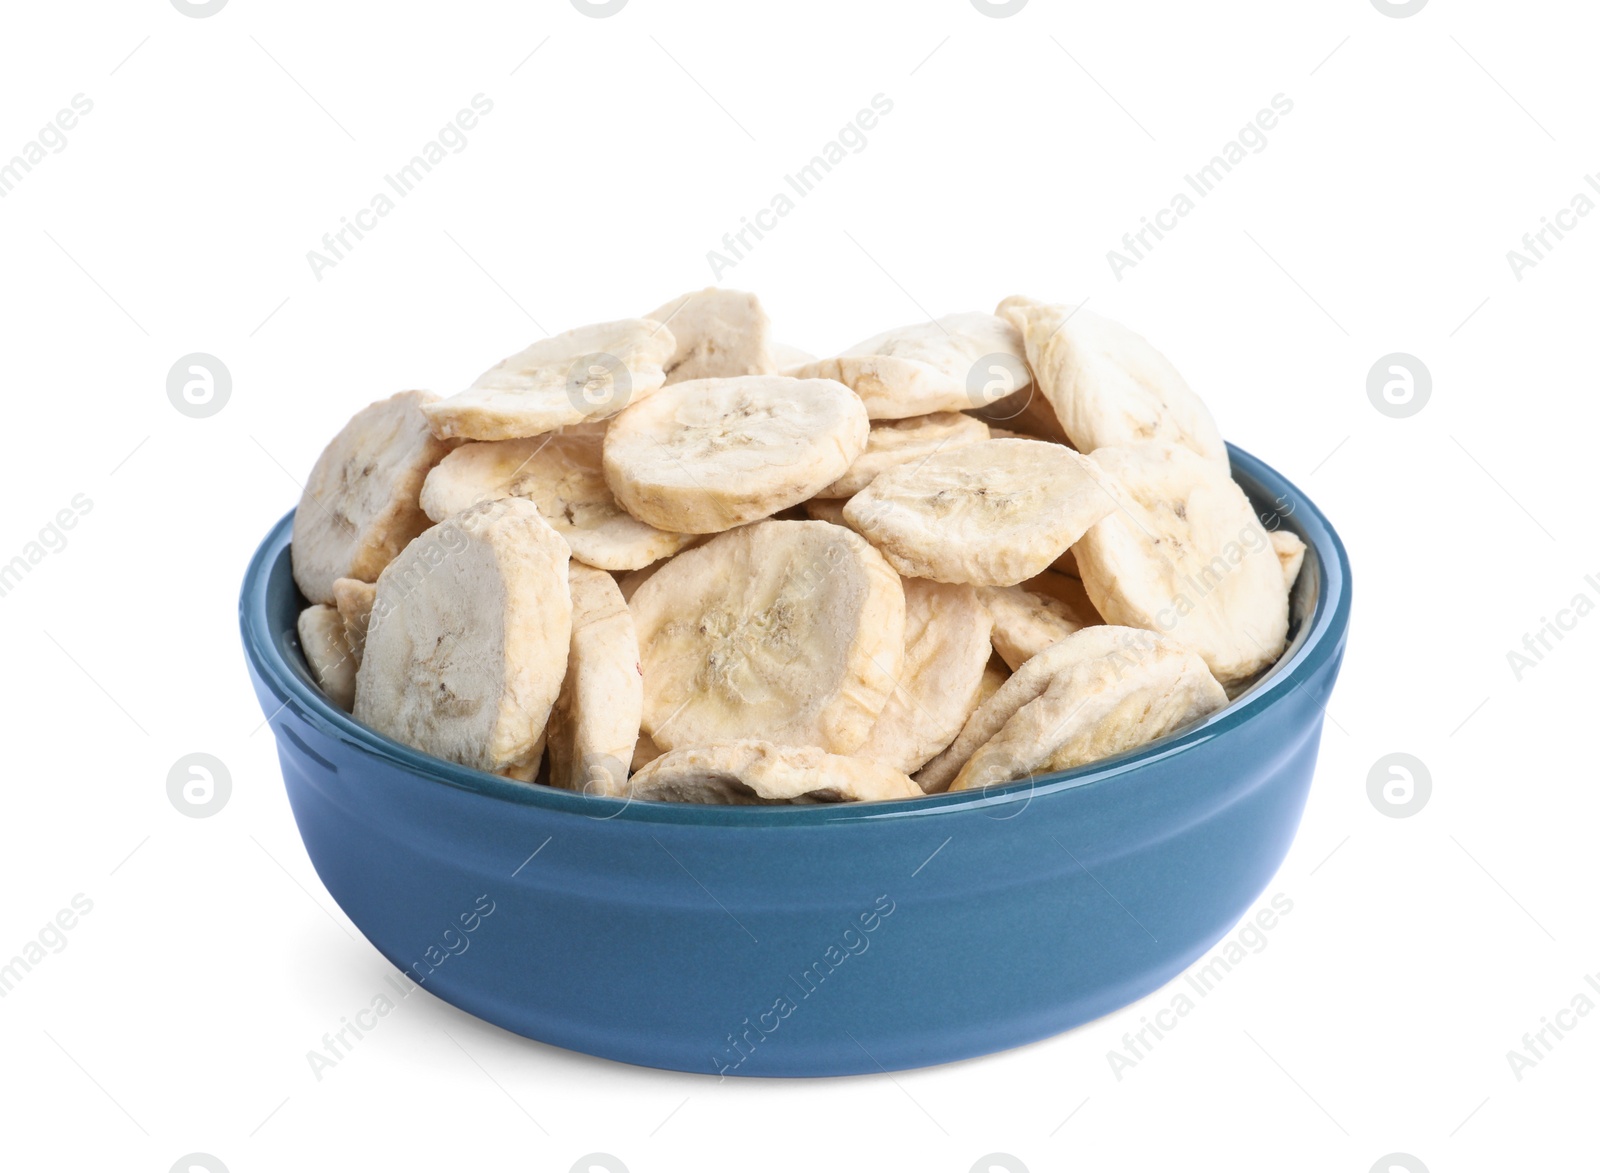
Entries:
{"x":813,"y":940}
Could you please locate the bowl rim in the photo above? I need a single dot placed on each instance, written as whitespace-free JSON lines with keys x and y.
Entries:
{"x":1321,"y":638}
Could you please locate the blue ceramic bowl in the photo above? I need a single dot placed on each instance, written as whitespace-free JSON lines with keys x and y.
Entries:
{"x":807,"y":940}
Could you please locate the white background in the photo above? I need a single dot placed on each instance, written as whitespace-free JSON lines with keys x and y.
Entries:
{"x":177,"y":219}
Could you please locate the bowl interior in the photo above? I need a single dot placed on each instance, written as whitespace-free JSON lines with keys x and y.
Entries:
{"x":270,"y":604}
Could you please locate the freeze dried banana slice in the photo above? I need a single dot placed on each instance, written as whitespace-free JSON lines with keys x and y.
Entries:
{"x":1028,"y":682}
{"x":991,"y":513}
{"x":751,"y":773}
{"x":561,"y":473}
{"x":353,"y":599}
{"x":594,"y":725}
{"x":1291,"y":553}
{"x":830,"y":510}
{"x":328,"y":653}
{"x":1108,"y":386}
{"x":468,"y":642}
{"x":1026,"y":623}
{"x":359,"y":508}
{"x":947,"y":651}
{"x":793,"y":631}
{"x":719,"y":333}
{"x":589,"y":373}
{"x":707,"y":455}
{"x":1112,"y":689}
{"x":956,"y":362}
{"x":895,"y":442}
{"x":1184,"y":554}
